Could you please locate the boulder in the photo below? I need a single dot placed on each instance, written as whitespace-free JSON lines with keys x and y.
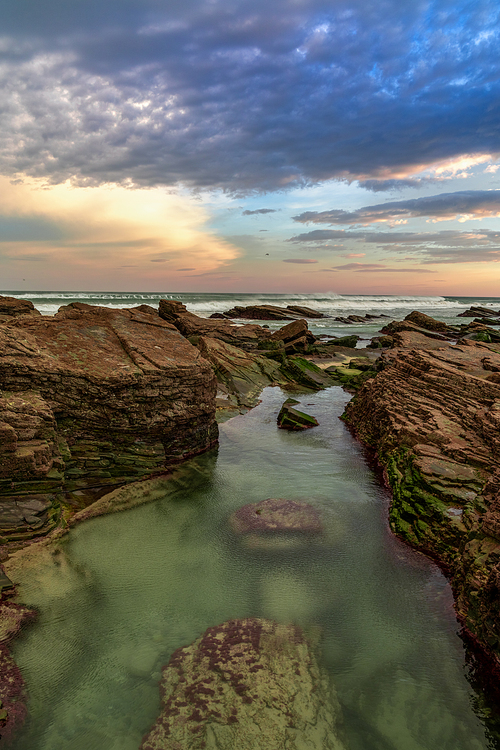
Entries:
{"x":11,"y":307}
{"x":293,"y":419}
{"x":425,"y":321}
{"x":192,"y":326}
{"x":252,"y":684}
{"x":276,"y":515}
{"x":305,"y":312}
{"x":92,"y":397}
{"x":295,"y":336}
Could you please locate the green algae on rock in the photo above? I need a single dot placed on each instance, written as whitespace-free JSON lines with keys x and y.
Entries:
{"x":290,"y":418}
{"x":433,"y":416}
{"x":248,"y":684}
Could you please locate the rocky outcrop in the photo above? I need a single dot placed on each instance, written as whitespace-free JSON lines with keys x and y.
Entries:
{"x":192,"y":326}
{"x":432,"y":413}
{"x":13,"y":695}
{"x":94,"y":397}
{"x":250,"y":683}
{"x":269,"y":312}
{"x":290,"y":418}
{"x":11,"y":307}
{"x":479,"y":312}
{"x":241,"y":375}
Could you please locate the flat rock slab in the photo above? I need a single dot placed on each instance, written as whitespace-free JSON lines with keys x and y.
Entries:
{"x":290,"y":418}
{"x":276,"y":515}
{"x":248,"y":684}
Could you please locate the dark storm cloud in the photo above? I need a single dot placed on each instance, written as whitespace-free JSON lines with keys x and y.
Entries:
{"x":446,"y":205}
{"x":245,"y":95}
{"x":259,"y":211}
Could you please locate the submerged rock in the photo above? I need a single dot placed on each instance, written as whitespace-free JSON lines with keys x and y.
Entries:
{"x":276,"y":515}
{"x":290,"y":418}
{"x":248,"y":684}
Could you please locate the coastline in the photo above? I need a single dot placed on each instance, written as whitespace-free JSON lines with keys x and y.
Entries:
{"x":239,"y":399}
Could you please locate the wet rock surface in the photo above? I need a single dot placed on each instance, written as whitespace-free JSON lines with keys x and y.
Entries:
{"x":290,"y":418}
{"x":432,"y":413}
{"x":270,"y":312}
{"x":276,"y":515}
{"x":94,"y":397}
{"x":250,"y":684}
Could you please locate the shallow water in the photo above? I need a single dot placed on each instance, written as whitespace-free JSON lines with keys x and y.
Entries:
{"x":127,"y":589}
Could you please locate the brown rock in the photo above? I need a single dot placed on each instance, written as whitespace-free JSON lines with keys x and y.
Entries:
{"x":252,"y":684}
{"x":11,"y":307}
{"x":97,"y":396}
{"x":276,"y":515}
{"x":192,"y":326}
{"x":425,"y":321}
{"x":433,"y":415}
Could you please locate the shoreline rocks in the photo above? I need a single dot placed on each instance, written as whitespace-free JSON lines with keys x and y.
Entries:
{"x":269,"y":312}
{"x":94,"y":398}
{"x":432,"y":414}
{"x":248,"y":683}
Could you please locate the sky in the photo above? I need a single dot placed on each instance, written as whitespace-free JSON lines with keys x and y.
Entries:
{"x":229,"y":145}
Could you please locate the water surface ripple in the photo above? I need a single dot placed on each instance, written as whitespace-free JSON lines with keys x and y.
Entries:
{"x":126,"y":590}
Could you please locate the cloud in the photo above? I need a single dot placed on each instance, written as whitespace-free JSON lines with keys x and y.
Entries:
{"x":247,"y":95}
{"x":448,"y":246}
{"x":299,"y":260}
{"x":466,"y":204}
{"x":260,"y":211}
{"x":378,"y":268}
{"x":87,"y":233}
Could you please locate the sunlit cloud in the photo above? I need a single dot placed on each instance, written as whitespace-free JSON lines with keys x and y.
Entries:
{"x":98,"y":229}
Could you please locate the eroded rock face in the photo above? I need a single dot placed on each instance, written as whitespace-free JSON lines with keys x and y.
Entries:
{"x":11,"y":307}
{"x":248,"y":684}
{"x":192,"y":326}
{"x":97,"y":396}
{"x":433,"y":415}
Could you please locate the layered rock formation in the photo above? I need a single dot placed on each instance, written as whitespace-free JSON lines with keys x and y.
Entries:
{"x":290,"y":418}
{"x":90,"y":397}
{"x":251,"y":684}
{"x":270,"y":312}
{"x":432,"y":413}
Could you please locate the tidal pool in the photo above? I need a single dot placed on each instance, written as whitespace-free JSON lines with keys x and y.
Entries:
{"x":123,"y":591}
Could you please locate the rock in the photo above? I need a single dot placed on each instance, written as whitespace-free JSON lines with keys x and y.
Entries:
{"x":398,"y":326}
{"x":425,"y":321}
{"x":94,"y":396}
{"x":305,"y":312}
{"x":295,"y":336}
{"x":276,"y":515}
{"x":433,"y":416}
{"x":293,"y":419}
{"x":252,"y":684}
{"x":483,"y":312}
{"x":191,"y":326}
{"x":241,"y":375}
{"x":11,"y":307}
{"x":381,"y":342}
{"x":303,"y":372}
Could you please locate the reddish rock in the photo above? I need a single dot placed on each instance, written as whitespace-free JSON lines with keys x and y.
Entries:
{"x":425,"y":321}
{"x":95,"y":396}
{"x":191,"y":325}
{"x":249,"y":683}
{"x":433,"y":415}
{"x":276,"y":515}
{"x":11,"y":307}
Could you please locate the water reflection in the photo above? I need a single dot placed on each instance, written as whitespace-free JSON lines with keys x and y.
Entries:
{"x":124,"y":591}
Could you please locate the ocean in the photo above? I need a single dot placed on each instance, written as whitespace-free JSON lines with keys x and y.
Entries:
{"x":333,"y":305}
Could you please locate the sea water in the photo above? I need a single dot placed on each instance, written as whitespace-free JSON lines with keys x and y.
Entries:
{"x":330,"y":304}
{"x":125,"y":590}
